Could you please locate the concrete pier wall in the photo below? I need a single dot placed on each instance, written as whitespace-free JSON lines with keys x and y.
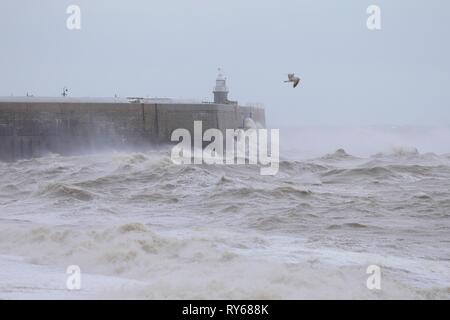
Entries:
{"x":33,"y":127}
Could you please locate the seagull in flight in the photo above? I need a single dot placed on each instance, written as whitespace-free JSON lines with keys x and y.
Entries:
{"x":294,"y":79}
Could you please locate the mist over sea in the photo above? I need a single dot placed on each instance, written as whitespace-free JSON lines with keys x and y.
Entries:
{"x":140,"y":226}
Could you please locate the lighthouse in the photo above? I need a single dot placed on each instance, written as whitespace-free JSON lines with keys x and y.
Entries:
{"x":221,"y":90}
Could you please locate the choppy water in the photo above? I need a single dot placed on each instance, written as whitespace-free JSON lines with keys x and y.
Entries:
{"x":141,"y":227}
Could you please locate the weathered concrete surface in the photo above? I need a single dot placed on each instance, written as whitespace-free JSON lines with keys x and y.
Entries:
{"x":31,"y":127}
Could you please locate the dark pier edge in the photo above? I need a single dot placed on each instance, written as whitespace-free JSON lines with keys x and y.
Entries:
{"x":34,"y":127}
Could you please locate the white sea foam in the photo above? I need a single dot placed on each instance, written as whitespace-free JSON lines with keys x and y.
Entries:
{"x":141,"y":227}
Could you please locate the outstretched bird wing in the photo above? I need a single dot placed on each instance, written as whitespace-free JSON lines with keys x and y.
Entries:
{"x":296,"y":82}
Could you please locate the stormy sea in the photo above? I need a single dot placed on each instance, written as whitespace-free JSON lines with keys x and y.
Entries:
{"x":139,"y":226}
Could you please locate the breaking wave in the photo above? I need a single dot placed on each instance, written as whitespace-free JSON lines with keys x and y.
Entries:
{"x":210,"y":265}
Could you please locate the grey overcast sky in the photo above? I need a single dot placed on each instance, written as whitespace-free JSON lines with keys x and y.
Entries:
{"x":172,"y":48}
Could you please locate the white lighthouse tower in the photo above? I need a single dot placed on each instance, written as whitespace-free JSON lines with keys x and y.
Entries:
{"x":221,"y":90}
